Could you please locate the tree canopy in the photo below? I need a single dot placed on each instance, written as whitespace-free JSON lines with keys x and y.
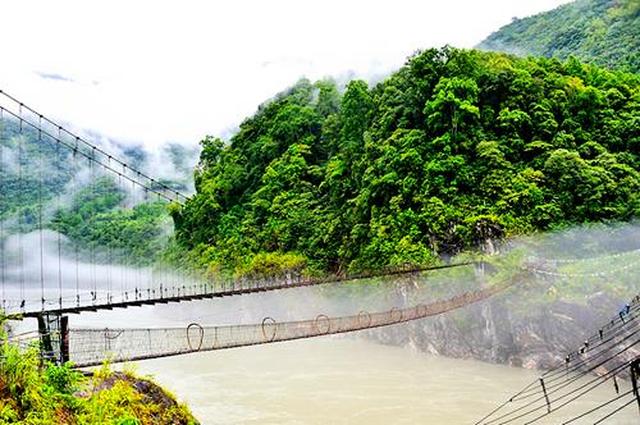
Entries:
{"x":604,"y":32}
{"x":455,"y":148}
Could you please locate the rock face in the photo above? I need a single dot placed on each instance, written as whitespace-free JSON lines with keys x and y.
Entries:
{"x":505,"y":331}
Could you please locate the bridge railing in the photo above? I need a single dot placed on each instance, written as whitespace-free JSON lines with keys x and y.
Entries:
{"x":92,"y":346}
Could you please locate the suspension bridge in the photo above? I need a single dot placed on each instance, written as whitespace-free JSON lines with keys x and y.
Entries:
{"x":53,"y":180}
{"x":47,"y":275}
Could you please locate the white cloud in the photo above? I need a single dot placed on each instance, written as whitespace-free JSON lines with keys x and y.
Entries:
{"x":157,"y":71}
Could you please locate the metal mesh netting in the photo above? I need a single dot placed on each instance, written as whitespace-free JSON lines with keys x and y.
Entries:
{"x":92,"y":346}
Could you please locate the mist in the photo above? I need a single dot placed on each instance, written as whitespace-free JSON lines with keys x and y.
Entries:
{"x":578,"y":251}
{"x":571,"y":266}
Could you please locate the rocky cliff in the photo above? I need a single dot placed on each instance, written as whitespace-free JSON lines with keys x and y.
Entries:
{"x":507,"y":330}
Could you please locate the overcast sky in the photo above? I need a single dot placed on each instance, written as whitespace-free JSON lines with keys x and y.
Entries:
{"x":161,"y":71}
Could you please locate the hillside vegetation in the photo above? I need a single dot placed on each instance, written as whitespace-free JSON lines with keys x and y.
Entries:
{"x":604,"y":32}
{"x":33,"y":393}
{"x":45,"y":185}
{"x":455,"y":148}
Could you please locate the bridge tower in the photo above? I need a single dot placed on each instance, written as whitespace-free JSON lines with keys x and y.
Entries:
{"x":54,"y":337}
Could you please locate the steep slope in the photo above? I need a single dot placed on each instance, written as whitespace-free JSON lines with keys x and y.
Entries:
{"x":455,"y":148}
{"x":604,"y":32}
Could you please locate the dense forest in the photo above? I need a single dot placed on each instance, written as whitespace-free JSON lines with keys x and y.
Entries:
{"x":98,"y":220}
{"x":455,"y":148}
{"x":604,"y":32}
{"x":45,"y":185}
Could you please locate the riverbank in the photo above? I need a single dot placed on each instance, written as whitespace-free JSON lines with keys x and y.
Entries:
{"x":33,"y":394}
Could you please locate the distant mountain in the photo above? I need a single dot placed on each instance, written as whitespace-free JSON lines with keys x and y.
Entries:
{"x":604,"y":32}
{"x":43,"y":186}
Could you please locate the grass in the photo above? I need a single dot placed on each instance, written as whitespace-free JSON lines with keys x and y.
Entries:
{"x":34,"y":393}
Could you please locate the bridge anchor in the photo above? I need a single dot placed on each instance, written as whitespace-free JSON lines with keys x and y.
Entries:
{"x":54,"y":337}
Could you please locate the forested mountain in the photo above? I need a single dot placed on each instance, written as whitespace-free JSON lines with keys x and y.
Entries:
{"x":454,"y":148}
{"x":44,"y":185}
{"x":604,"y":32}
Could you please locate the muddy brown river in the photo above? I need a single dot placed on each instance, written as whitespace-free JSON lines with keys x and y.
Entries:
{"x":345,"y":381}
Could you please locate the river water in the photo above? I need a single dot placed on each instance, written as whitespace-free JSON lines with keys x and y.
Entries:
{"x":344,"y":381}
{"x":328,"y":380}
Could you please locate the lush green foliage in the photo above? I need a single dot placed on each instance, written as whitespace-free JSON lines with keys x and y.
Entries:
{"x":454,"y":148}
{"x":33,"y":394}
{"x":32,"y":173}
{"x":96,"y":222}
{"x":605,"y":32}
{"x":44,"y":185}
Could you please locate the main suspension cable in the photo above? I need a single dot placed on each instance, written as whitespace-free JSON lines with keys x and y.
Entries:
{"x":179,"y":197}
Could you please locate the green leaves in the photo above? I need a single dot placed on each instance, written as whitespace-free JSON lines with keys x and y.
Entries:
{"x":603,"y":32}
{"x":453,"y":150}
{"x":37,"y":394}
{"x":452,"y":108}
{"x":62,"y":378}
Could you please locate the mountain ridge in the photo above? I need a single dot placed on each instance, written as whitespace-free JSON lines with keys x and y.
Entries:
{"x":603,"y":32}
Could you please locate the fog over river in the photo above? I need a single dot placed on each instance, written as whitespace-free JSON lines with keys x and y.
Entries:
{"x":345,"y":379}
{"x":351,"y":379}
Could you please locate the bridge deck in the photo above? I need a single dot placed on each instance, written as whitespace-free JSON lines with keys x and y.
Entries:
{"x":237,"y":288}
